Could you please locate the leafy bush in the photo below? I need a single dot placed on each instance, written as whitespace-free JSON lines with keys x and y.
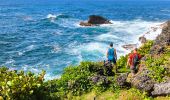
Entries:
{"x":145,"y":48}
{"x":20,"y":85}
{"x":156,"y":68}
{"x":122,"y":62}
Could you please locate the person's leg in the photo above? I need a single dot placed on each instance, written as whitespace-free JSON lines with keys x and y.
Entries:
{"x":132,"y":70}
{"x":137,"y":68}
{"x":115,"y":65}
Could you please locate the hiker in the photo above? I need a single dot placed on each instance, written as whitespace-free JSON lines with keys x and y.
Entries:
{"x":111,"y":55}
{"x":133,"y":61}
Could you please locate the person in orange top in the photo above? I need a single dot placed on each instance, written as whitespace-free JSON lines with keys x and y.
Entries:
{"x":133,"y":61}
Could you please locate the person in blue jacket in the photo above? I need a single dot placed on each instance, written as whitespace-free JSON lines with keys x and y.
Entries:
{"x":111,"y":55}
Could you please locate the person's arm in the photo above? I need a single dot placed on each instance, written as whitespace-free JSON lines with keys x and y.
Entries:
{"x":107,"y":54}
{"x":128,"y":61}
{"x":115,"y":54}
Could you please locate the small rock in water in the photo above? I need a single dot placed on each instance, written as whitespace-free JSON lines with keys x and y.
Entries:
{"x":95,"y":20}
{"x":129,"y":46}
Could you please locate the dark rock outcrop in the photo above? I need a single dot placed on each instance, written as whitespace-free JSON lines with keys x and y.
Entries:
{"x":99,"y":79}
{"x":161,"y":89}
{"x":142,"y":81}
{"x":142,"y":39}
{"x":95,"y":20}
{"x":162,"y":40}
{"x":121,"y":80}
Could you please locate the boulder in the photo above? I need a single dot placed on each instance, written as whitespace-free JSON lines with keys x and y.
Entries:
{"x":142,"y":39}
{"x":95,"y":20}
{"x":142,"y":81}
{"x":161,"y":89}
{"x":97,"y":79}
{"x":85,"y":24}
{"x":121,"y":80}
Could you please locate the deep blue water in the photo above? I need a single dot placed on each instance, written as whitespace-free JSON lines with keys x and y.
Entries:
{"x":31,"y":40}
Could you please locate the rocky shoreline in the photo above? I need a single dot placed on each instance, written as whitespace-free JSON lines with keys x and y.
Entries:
{"x":142,"y":80}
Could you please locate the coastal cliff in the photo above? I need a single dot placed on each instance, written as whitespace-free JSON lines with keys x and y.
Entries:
{"x":91,"y":80}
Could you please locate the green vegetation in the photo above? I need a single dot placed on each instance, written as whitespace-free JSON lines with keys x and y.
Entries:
{"x":20,"y":85}
{"x":145,"y":49}
{"x":87,"y":81}
{"x":77,"y":80}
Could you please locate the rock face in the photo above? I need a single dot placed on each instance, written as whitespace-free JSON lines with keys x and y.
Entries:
{"x":162,"y":40}
{"x":142,"y":81}
{"x":99,"y":79}
{"x":161,"y":89}
{"x":95,"y":20}
{"x":142,"y":39}
{"x":121,"y":80}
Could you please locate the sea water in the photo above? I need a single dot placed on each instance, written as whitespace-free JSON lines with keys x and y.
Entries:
{"x":45,"y":35}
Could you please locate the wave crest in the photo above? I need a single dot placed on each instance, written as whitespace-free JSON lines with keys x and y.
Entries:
{"x":53,"y":16}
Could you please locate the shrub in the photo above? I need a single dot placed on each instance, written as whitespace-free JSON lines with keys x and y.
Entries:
{"x":156,"y":68}
{"x":77,"y":80}
{"x":145,"y":48}
{"x":20,"y":85}
{"x":122,"y":62}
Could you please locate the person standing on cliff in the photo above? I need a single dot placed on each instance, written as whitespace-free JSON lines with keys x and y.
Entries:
{"x":111,"y":55}
{"x":133,"y":61}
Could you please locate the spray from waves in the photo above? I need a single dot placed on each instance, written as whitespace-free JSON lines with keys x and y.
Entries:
{"x":166,"y":10}
{"x":132,"y":29}
{"x":53,"y":16}
{"x":89,"y":51}
{"x":26,"y":49}
{"x":120,"y":33}
{"x":108,"y":37}
{"x":62,"y":20}
{"x":37,"y":70}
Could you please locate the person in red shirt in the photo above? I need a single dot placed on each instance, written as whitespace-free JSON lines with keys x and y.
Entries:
{"x":133,"y":61}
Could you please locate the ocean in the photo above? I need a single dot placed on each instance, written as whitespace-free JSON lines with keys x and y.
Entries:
{"x":45,"y":35}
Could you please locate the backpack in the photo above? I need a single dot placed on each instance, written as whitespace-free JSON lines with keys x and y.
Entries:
{"x":135,"y":60}
{"x":111,"y":55}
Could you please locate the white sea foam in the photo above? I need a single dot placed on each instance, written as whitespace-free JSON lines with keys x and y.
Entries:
{"x":20,"y":53}
{"x":51,"y":16}
{"x":27,"y":18}
{"x":153,"y":33}
{"x":94,"y":46}
{"x":30,"y":47}
{"x":130,"y":32}
{"x":106,"y":37}
{"x":165,"y":10}
{"x":134,"y":28}
{"x":10,"y":61}
{"x":56,"y":49}
{"x":50,"y":77}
